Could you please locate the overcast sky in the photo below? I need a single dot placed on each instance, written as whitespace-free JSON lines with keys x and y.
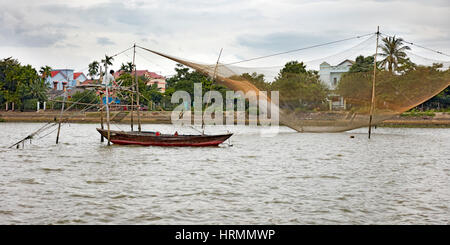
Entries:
{"x":73,"y":33}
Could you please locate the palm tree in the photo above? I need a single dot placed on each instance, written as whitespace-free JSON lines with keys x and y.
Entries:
{"x":38,"y":90}
{"x":93,"y":69}
{"x":45,"y":71}
{"x":107,"y":60}
{"x":393,"y":51}
{"x":129,"y":67}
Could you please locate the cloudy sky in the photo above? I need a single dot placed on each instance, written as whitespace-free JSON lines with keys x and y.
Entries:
{"x":73,"y":33}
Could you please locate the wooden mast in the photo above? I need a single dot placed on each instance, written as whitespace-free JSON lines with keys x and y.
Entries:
{"x":372,"y":103}
{"x":137,"y":91}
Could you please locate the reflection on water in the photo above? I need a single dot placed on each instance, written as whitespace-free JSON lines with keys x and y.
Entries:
{"x":400,"y":176}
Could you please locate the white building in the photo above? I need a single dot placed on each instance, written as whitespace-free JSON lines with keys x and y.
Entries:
{"x":330,"y":75}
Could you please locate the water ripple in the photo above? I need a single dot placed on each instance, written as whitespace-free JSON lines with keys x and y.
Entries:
{"x":401,"y":176}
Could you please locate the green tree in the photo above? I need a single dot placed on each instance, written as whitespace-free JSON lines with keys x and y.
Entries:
{"x":362,"y":64}
{"x":393,"y":51}
{"x":86,"y":96}
{"x":20,"y":83}
{"x":406,"y":65}
{"x":254,"y":78}
{"x":299,"y":88}
{"x":184,"y":80}
{"x":292,"y":67}
{"x":38,"y":90}
{"x":45,"y":71}
{"x":128,"y":67}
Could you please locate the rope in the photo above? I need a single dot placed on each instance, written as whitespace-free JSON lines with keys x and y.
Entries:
{"x":122,"y":52}
{"x":286,"y":52}
{"x":420,"y":46}
{"x":299,"y":49}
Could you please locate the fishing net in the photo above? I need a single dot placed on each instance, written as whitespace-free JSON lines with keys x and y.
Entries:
{"x":334,"y":93}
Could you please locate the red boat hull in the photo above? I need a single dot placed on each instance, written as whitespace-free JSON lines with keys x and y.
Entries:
{"x":151,"y":139}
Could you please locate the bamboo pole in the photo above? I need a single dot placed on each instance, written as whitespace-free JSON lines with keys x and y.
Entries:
{"x":210,"y":88}
{"x":372,"y":103}
{"x":80,"y":103}
{"x":137,"y":91}
{"x":60,"y":117}
{"x":107,"y":105}
{"x":132,"y":88}
{"x":102,"y":139}
{"x":132,"y":110}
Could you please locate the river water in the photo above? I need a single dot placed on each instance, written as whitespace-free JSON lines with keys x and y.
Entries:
{"x":400,"y":176}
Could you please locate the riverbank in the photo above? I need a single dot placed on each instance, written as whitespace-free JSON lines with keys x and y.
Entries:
{"x":437,"y":119}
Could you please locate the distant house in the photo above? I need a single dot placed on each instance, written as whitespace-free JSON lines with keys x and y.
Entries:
{"x":330,"y":75}
{"x":152,"y":77}
{"x":89,"y":82}
{"x":79,"y":78}
{"x":61,"y":79}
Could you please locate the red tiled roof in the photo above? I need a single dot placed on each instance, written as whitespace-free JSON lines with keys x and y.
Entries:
{"x":90,"y":81}
{"x":77,"y":74}
{"x":140,"y":73}
{"x":54,"y":73}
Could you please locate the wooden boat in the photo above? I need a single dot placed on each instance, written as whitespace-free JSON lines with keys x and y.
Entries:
{"x":155,"y":139}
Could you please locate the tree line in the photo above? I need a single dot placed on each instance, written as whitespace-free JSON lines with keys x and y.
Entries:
{"x":300,"y":89}
{"x":22,"y":85}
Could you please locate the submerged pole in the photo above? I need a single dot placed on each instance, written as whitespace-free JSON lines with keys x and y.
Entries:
{"x":137,"y":91}
{"x":372,"y":103}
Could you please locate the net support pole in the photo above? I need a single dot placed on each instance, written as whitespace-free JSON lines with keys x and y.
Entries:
{"x":60,"y":117}
{"x":372,"y":102}
{"x":132,"y":110}
{"x":107,"y":105}
{"x":137,"y":90}
{"x":210,"y":88}
{"x":132,"y":88}
{"x":102,"y":139}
